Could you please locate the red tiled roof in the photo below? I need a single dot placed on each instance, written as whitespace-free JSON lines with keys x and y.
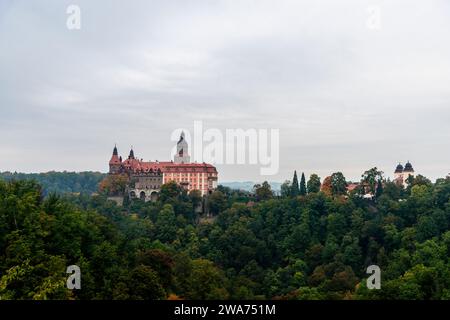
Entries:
{"x":114,"y":159}
{"x":166,"y":166}
{"x":352,"y":186}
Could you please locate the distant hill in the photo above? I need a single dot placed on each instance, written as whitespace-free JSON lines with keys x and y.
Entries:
{"x":60,"y":182}
{"x":87,"y":182}
{"x":248,"y":185}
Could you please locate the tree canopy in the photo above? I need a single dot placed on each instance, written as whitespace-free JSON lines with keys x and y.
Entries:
{"x":254,"y":246}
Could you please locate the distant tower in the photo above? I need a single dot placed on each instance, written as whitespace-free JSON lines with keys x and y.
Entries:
{"x":408,"y":171}
{"x":131,"y":156}
{"x":182,"y":155}
{"x":398,"y":173}
{"x":401,"y":174}
{"x":115,"y":162}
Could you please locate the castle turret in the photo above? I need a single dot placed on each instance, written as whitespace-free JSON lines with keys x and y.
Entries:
{"x":408,"y":171}
{"x":398,"y":173}
{"x":408,"y":167}
{"x":182,"y":155}
{"x":131,"y":155}
{"x":115,"y":162}
{"x":401,"y":174}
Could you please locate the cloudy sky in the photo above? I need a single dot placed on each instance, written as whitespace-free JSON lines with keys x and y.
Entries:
{"x":350,"y":84}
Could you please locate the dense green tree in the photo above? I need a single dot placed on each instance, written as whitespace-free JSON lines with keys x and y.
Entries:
{"x":285,"y":189}
{"x":263,"y":191}
{"x":338,"y":184}
{"x":206,"y":282}
{"x":166,"y":224}
{"x":170,"y":190}
{"x":60,"y":182}
{"x":313,"y":247}
{"x":313,"y":184}
{"x":371,"y":179}
{"x":144,"y":284}
{"x":379,"y":188}
{"x":217,"y":202}
{"x":195,"y":196}
{"x":159,"y":261}
{"x":421,"y":180}
{"x":393,"y":190}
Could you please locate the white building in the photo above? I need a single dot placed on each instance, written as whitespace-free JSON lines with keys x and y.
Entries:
{"x":401,"y":174}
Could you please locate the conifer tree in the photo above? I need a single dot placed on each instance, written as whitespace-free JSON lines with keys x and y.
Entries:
{"x":294,"y":188}
{"x":303,"y":185}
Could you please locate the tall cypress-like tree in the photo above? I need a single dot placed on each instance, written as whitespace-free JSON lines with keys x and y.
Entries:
{"x":303,"y":185}
{"x":294,"y":188}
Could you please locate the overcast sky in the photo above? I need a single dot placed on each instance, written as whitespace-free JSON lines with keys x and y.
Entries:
{"x":346,"y":93}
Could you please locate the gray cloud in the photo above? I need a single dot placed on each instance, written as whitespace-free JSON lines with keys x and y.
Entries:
{"x":343,"y":96}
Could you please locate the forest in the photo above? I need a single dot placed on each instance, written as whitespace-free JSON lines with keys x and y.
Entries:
{"x":60,"y":182}
{"x":312,"y":241}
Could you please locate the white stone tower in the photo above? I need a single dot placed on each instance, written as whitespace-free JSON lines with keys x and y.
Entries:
{"x":182,"y":155}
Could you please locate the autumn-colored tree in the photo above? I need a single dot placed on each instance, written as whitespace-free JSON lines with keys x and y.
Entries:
{"x":326,"y":186}
{"x":114,"y":185}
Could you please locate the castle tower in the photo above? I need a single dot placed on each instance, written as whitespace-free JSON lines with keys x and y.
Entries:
{"x":398,"y":173}
{"x":131,"y":155}
{"x":182,"y":155}
{"x":408,"y":171}
{"x":401,"y":174}
{"x":115,"y":162}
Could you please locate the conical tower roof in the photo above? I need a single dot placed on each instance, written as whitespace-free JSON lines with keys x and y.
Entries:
{"x":399,"y":168}
{"x":408,"y":167}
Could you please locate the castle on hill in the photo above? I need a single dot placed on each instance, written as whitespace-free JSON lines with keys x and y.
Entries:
{"x":146,"y":178}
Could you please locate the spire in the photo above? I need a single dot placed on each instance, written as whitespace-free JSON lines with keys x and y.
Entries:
{"x":114,"y":159}
{"x":182,"y":155}
{"x":131,"y":156}
{"x":181,"y":137}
